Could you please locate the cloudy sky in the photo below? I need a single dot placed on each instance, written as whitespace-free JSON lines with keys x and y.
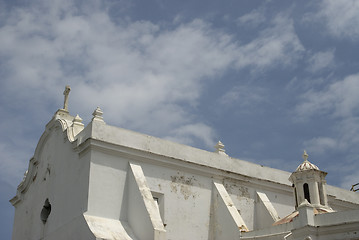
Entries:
{"x":267,"y":78}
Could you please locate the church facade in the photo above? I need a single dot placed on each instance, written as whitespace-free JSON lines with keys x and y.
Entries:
{"x":103,"y":182}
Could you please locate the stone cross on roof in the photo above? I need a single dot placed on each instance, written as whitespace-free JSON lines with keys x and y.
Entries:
{"x":66,"y":97}
{"x":305,"y":155}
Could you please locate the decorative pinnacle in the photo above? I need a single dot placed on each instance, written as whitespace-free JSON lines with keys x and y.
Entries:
{"x":220,"y":148}
{"x":305,"y":156}
{"x":66,"y":97}
{"x":97,"y":114}
{"x":77,"y":119}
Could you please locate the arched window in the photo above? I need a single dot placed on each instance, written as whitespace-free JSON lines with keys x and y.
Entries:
{"x":306,"y":192}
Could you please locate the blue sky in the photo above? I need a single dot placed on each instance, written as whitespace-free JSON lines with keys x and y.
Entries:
{"x":267,"y":78}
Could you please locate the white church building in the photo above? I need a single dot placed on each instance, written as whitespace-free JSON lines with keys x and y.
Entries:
{"x":103,"y":182}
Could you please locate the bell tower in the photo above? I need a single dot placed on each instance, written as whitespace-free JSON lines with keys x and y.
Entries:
{"x":309,"y":184}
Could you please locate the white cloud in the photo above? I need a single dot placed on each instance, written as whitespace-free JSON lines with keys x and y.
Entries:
{"x":133,"y":69}
{"x":350,"y":180}
{"x":321,"y":144}
{"x":341,"y":17}
{"x":339,"y":99}
{"x":137,"y":71}
{"x":244,"y":96}
{"x":187,"y":133}
{"x":11,"y":165}
{"x":348,"y":134}
{"x":253,"y":18}
{"x":320,"y":61}
{"x":277,"y":45}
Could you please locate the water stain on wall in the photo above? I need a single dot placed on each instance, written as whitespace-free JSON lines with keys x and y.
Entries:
{"x":183,"y":184}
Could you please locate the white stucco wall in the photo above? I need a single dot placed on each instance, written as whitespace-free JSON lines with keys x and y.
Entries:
{"x":185,"y":188}
{"x":61,"y":176}
{"x":102,"y":185}
{"x":107,"y":191}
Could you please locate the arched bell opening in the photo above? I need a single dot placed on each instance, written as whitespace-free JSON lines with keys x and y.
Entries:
{"x":306,"y":192}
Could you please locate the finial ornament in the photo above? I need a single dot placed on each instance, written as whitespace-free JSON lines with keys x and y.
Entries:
{"x":77,"y":119}
{"x":306,"y":165}
{"x":220,"y":148}
{"x":97,"y":114}
{"x":66,"y":97}
{"x":305,"y":156}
